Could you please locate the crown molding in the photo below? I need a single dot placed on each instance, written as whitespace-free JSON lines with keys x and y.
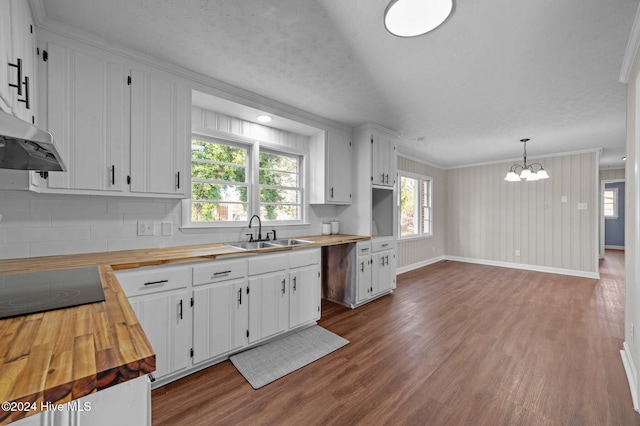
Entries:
{"x":208,"y":84}
{"x":632,"y":49}
{"x":376,"y":127}
{"x":419,"y":160}
{"x":598,"y":151}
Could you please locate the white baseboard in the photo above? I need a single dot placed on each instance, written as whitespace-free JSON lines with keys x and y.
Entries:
{"x":614,"y":247}
{"x":413,"y":266}
{"x":632,"y":375}
{"x":526,"y":267}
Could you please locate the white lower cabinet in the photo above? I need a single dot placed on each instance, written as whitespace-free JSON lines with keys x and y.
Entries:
{"x":199,"y":314}
{"x":220,"y":319}
{"x":376,"y":263}
{"x":220,"y":308}
{"x":161,"y":301}
{"x":128,"y":403}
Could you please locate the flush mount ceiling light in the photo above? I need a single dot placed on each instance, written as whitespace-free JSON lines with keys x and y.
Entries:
{"x":529,"y":172}
{"x":264,"y":118}
{"x":411,"y":18}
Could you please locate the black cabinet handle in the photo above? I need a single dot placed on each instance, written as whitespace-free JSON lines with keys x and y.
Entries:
{"x":332,"y":192}
{"x":386,"y":244}
{"x":283,"y":286}
{"x":26,"y":93}
{"x":113,"y":174}
{"x":19,"y":80}
{"x":294,"y":283}
{"x":240,"y":297}
{"x":180,"y":311}
{"x":156,"y":282}
{"x":215,"y":274}
{"x":178,"y":180}
{"x":382,"y":180}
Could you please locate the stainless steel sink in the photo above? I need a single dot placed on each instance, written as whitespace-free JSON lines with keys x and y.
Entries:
{"x":252,"y":245}
{"x":258,"y":245}
{"x":290,"y":242}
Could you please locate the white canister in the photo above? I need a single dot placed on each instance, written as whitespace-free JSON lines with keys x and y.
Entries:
{"x":326,"y":228}
{"x":335,"y":226}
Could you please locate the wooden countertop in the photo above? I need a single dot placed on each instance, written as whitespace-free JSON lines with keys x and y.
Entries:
{"x":60,"y":355}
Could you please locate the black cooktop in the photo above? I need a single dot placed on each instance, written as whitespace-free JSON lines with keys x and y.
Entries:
{"x":31,"y":292}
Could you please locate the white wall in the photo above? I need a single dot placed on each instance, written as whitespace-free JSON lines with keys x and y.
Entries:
{"x":489,"y":218}
{"x":417,"y":252}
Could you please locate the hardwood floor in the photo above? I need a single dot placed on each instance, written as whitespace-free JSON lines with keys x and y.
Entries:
{"x":455,"y":344}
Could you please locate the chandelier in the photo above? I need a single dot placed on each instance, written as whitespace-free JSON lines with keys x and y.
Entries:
{"x":530,"y":172}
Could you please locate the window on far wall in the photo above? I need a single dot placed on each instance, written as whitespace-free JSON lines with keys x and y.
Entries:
{"x":227,"y":187}
{"x":414,"y":212}
{"x":610,"y":203}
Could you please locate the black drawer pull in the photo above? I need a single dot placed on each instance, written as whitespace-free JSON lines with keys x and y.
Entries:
{"x":384,"y":245}
{"x":156,"y":282}
{"x":215,"y":274}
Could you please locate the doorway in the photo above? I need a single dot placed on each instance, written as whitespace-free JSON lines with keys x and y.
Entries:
{"x":612,"y":215}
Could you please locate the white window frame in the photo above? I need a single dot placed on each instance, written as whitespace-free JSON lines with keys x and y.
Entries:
{"x":253,"y":195}
{"x":420,"y":205}
{"x":615,"y":203}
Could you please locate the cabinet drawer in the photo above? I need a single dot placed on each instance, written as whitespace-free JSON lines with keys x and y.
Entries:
{"x":147,"y":281}
{"x":382,"y":244}
{"x":212,"y":272}
{"x":363,"y":248}
{"x":304,"y":257}
{"x":261,"y":264}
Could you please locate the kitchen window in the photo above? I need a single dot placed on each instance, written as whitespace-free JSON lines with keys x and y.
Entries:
{"x":414,"y":206}
{"x":229,"y":183}
{"x":611,"y":203}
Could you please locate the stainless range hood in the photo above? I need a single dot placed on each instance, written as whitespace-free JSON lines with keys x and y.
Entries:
{"x":23,"y":146}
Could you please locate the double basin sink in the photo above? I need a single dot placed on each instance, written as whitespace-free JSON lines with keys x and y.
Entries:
{"x":257,"y":245}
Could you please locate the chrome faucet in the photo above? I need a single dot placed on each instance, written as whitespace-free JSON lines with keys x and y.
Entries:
{"x":259,"y":228}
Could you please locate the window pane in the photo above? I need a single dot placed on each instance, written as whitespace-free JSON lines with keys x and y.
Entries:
{"x":408,"y":206}
{"x":213,"y":192}
{"x":216,"y":212}
{"x":216,"y":171}
{"x":271,"y":177}
{"x":278,"y":162}
{"x":280,"y":212}
{"x":203,"y":150}
{"x":279,"y":196}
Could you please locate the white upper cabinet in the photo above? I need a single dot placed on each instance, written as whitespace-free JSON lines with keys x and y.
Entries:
{"x":383,"y":157}
{"x":160,"y":112}
{"x":119,"y":130}
{"x":17,"y":59}
{"x":6,"y":74}
{"x":331,"y":166}
{"x":87,"y":113}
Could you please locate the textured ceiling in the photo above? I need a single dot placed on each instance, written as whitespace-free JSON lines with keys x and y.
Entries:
{"x":496,"y":72}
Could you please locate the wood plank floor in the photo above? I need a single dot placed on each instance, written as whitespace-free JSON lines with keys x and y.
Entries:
{"x":455,"y":344}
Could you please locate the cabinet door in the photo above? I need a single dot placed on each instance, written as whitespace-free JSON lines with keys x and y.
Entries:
{"x":160,"y":112}
{"x":305,"y":295}
{"x":338,"y":168}
{"x":364,"y":278}
{"x":383,"y":161}
{"x":220,"y":319}
{"x":87,"y":114}
{"x":268,"y":306}
{"x":166,"y":322}
{"x":381,"y":275}
{"x":23,"y":48}
{"x":7,"y":73}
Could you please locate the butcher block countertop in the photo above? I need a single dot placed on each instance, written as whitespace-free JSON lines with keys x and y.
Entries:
{"x":64,"y":354}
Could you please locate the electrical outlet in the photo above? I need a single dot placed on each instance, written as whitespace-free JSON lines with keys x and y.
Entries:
{"x":145,"y":228}
{"x":517,"y":253}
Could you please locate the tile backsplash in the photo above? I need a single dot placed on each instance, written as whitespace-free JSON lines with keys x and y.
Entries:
{"x":45,"y":224}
